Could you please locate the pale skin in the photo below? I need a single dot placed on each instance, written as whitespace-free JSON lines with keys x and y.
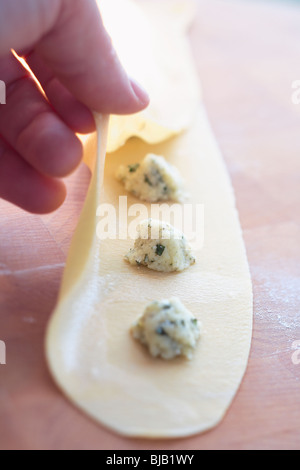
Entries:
{"x":66,"y":46}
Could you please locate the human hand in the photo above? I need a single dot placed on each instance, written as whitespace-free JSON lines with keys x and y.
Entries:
{"x":67,"y":48}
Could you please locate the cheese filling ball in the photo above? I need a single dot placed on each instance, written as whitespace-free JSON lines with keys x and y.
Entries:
{"x":168,"y":329}
{"x":152,"y":180}
{"x":160,"y":247}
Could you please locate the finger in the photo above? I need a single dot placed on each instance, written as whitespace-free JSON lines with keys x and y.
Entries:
{"x":24,"y":22}
{"x":75,"y":114}
{"x":29,"y":125}
{"x":70,"y":37}
{"x":23,"y":186}
{"x":80,"y":53}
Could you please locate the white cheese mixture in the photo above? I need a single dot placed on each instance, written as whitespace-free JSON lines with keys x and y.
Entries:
{"x":152,"y":180}
{"x":168,"y":329}
{"x":160,"y":247}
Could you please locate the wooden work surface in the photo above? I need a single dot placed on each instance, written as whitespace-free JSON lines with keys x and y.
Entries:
{"x":248,"y":55}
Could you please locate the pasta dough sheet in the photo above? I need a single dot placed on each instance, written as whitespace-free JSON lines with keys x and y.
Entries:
{"x":90,"y":350}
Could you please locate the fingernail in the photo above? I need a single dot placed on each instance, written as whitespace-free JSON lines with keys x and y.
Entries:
{"x":140,"y":92}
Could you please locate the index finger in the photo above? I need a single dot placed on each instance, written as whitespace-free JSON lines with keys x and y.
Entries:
{"x":80,"y":52}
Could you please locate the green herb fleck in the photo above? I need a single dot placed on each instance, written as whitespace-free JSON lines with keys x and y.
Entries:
{"x":166,"y":306}
{"x":160,"y":331}
{"x":133,"y":168}
{"x":147,"y":180}
{"x":160,"y":249}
